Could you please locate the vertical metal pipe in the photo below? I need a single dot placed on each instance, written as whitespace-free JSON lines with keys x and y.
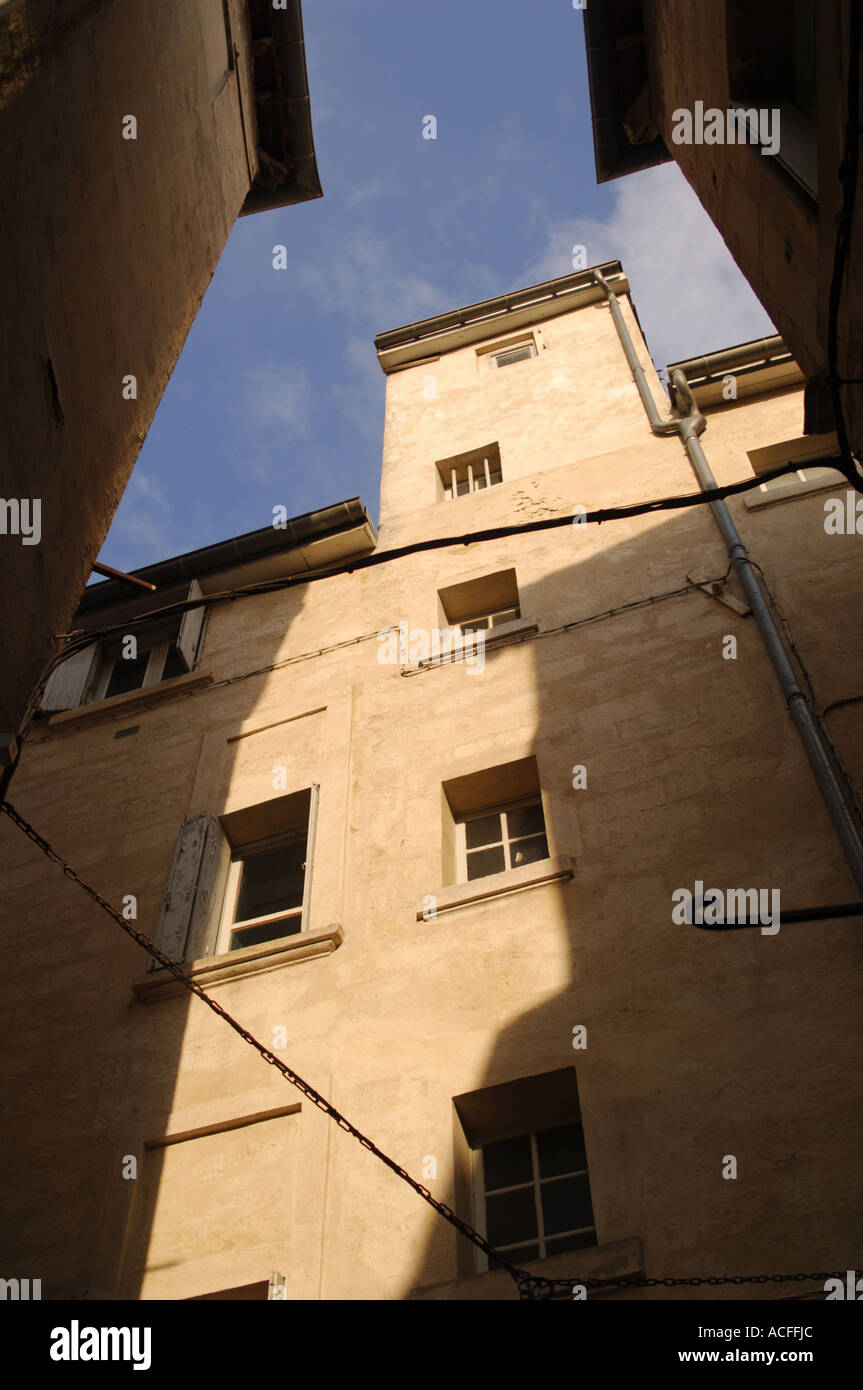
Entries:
{"x":689,"y":427}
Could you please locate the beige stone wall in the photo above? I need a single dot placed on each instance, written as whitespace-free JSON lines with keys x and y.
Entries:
{"x":109,"y":245}
{"x":699,"y":1045}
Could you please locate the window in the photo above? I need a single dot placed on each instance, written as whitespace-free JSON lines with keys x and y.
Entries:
{"x":803,"y":475}
{"x":512,"y":355}
{"x":470,"y":472}
{"x":816,"y":454}
{"x":241,"y":879}
{"x":503,"y":839}
{"x":771,"y":65}
{"x":488,"y":602}
{"x":530,"y":1180}
{"x":495,"y":821}
{"x":264,"y":892}
{"x":162,"y":649}
{"x":507,"y":353}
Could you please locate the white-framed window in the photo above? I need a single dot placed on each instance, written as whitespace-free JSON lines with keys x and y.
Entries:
{"x":162,"y":649}
{"x":509,"y":356}
{"x":491,"y":620}
{"x":264,"y":892}
{"x":520,"y":1150}
{"x":488,"y":601}
{"x":824,"y":476}
{"x":119,"y":674}
{"x":501,"y":838}
{"x":240,"y":879}
{"x":533,"y":1193}
{"x":471,"y":472}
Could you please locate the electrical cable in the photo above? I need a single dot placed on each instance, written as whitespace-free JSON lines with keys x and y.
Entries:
{"x":529,"y":1285}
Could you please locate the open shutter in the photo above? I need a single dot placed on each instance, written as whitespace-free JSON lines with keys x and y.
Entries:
{"x":210,"y":892}
{"x":310,"y":856}
{"x":191,"y":623}
{"x":67,"y":684}
{"x":192,"y":869}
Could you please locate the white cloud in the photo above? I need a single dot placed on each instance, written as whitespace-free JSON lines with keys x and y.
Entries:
{"x":145,"y":517}
{"x":277,"y":395}
{"x":690,"y":296}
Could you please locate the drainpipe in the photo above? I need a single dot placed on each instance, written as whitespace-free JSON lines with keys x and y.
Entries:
{"x":689,"y":428}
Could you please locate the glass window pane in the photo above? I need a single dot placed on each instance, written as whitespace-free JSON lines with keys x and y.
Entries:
{"x":495,"y":474}
{"x":271,"y":881}
{"x":566,"y":1204}
{"x":519,"y":1255}
{"x":266,"y":931}
{"x":174,"y":664}
{"x":483,"y":862}
{"x":561,"y":1150}
{"x":511,"y":1217}
{"x":507,"y":1162}
{"x":528,"y":851}
{"x":128,"y":674}
{"x":525,"y":820}
{"x":820,"y":472}
{"x":576,"y":1242}
{"x":484,"y":831}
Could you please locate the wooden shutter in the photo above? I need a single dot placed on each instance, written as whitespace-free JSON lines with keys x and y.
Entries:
{"x":210,"y":892}
{"x":192,"y":899}
{"x":310,"y":856}
{"x":191,"y":623}
{"x":67,"y":684}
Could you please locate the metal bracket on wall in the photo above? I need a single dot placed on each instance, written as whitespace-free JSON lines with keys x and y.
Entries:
{"x":716,"y":591}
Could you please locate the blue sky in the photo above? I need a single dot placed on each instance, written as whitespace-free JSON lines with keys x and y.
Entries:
{"x":277,"y":397}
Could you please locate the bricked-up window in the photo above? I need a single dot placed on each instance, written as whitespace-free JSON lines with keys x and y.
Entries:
{"x":470,"y":472}
{"x":531,"y":1185}
{"x":494,"y":821}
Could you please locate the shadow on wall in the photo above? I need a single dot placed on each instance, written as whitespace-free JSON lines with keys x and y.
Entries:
{"x":82,"y":1166}
{"x":696,"y":1046}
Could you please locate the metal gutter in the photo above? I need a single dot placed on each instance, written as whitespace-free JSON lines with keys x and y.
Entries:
{"x":341,"y":517}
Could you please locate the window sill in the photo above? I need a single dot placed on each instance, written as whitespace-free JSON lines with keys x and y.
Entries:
{"x":132,"y":700}
{"x":238,"y":965}
{"x":553,"y":870}
{"x":622,"y":1259}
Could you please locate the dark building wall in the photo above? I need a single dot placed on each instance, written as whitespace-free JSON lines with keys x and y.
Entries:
{"x":108,"y":246}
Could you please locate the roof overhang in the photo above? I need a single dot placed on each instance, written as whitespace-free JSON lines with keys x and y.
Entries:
{"x":624,"y":137}
{"x":426,"y":340}
{"x":759,"y":366}
{"x":303,"y":544}
{"x":288,"y":171}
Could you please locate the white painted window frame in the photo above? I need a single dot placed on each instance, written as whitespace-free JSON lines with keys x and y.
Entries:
{"x":227,"y":925}
{"x":498,"y":616}
{"x":535,"y":799}
{"x":528,"y":347}
{"x":152,"y":675}
{"x":480,"y":1194}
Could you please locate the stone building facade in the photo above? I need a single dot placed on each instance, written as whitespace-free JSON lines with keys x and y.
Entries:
{"x":131,"y":137}
{"x":437,"y":873}
{"x":778,"y":187}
